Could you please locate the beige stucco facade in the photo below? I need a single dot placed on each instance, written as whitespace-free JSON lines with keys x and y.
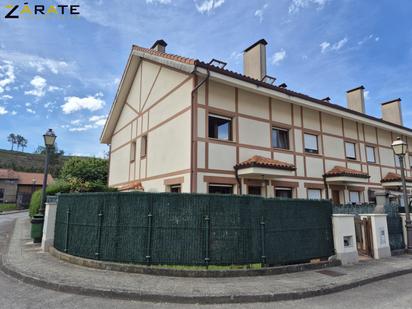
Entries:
{"x":159,"y":107}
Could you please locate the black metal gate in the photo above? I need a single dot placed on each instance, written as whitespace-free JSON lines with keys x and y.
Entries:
{"x":395,"y":228}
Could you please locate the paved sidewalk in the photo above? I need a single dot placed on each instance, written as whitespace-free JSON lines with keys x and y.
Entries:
{"x":26,"y":262}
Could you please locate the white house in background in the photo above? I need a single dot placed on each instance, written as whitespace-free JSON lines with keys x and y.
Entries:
{"x":183,"y":125}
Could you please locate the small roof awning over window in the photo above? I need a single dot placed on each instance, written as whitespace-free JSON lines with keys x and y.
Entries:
{"x":344,"y":175}
{"x":258,"y":166}
{"x":394,"y":180}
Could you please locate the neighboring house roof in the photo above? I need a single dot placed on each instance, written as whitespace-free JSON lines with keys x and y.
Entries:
{"x":394,"y":177}
{"x":135,"y":185}
{"x":258,"y":161}
{"x":344,"y":171}
{"x":32,"y":178}
{"x":8,"y":174}
{"x":24,"y":178}
{"x":191,"y":65}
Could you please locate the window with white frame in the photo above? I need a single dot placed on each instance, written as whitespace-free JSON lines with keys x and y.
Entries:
{"x":314,"y":194}
{"x":354,"y":197}
{"x":370,"y":154}
{"x":350,"y":149}
{"x":311,"y":143}
{"x":132,"y":151}
{"x":283,"y":192}
{"x":220,"y":189}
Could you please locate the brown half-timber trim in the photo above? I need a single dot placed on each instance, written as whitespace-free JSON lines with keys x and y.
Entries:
{"x":285,"y":184}
{"x":176,"y":173}
{"x":356,"y":188}
{"x":255,"y":182}
{"x":174,"y":181}
{"x":310,"y":185}
{"x":220,"y":180}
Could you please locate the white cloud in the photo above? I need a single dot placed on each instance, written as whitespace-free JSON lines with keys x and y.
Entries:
{"x":14,"y":113}
{"x":326,"y":46}
{"x":81,"y":129}
{"x":74,"y":104}
{"x":75,"y":122}
{"x":7,"y":76}
{"x":159,"y":1}
{"x":27,"y":104}
{"x":368,"y":38}
{"x":6,"y":97}
{"x":39,"y":87}
{"x":40,"y":64}
{"x":207,"y":6}
{"x":29,"y":110}
{"x":297,"y":5}
{"x":3,"y":110}
{"x":259,"y":13}
{"x":278,"y":57}
{"x":98,"y":120}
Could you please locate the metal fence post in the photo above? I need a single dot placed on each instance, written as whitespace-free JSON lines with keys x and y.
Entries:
{"x":207,"y":228}
{"x":262,"y":238}
{"x":99,"y":233}
{"x":66,"y":245}
{"x":149,"y":237}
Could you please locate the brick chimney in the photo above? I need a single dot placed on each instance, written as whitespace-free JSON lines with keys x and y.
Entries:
{"x":254,"y":60}
{"x":356,"y":99}
{"x":159,"y":45}
{"x":392,"y":112}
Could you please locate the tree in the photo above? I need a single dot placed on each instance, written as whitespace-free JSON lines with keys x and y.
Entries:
{"x":19,"y":140}
{"x":23,"y":144}
{"x":12,"y":139}
{"x":55,"y":156}
{"x":93,"y":170}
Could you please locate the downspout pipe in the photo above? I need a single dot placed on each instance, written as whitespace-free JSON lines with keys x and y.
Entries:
{"x":238,"y":180}
{"x":196,"y":88}
{"x":326,"y":187}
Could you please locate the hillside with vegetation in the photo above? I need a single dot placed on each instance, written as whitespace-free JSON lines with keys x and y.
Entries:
{"x":31,"y":162}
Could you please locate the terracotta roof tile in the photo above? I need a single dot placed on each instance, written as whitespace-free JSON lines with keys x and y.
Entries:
{"x":135,"y":185}
{"x":29,"y":178}
{"x":8,"y":174}
{"x":258,"y":161}
{"x":165,"y":55}
{"x":394,"y":177}
{"x":344,"y":171}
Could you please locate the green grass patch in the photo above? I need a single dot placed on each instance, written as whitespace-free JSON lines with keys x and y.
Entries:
{"x":7,"y":207}
{"x":210,"y":267}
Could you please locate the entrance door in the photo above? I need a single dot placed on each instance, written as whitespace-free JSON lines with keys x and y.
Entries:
{"x":363,"y":229}
{"x":335,"y":197}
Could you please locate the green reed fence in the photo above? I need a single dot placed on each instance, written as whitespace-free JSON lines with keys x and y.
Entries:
{"x":192,"y":229}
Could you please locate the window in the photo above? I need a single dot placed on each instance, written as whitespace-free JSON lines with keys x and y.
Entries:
{"x":354,"y":197}
{"x":254,"y":190}
{"x":371,"y":196}
{"x":280,"y":138}
{"x":143,"y":147}
{"x":410,"y":161}
{"x":311,"y":143}
{"x":176,"y":188}
{"x":133,"y":151}
{"x":350,"y":150}
{"x":220,"y":127}
{"x":220,"y":189}
{"x":314,"y":194}
{"x":283,"y":192}
{"x":370,"y":154}
{"x":397,"y":161}
{"x":1,"y":194}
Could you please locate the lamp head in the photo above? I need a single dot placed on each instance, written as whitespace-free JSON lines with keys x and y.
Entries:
{"x":49,"y":138}
{"x":399,"y":147}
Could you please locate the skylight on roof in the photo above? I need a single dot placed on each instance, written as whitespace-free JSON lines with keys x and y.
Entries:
{"x":269,"y":79}
{"x":218,"y":63}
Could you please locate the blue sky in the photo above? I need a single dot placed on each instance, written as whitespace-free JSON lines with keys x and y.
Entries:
{"x":62,"y":72}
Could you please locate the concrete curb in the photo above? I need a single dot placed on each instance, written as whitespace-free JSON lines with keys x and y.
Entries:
{"x":149,"y":297}
{"x":169,"y":272}
{"x":3,"y":213}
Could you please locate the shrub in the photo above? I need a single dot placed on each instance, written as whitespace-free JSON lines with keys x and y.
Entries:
{"x":35,"y":203}
{"x":93,"y":170}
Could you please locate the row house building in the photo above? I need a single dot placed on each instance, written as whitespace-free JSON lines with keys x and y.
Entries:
{"x":183,"y":125}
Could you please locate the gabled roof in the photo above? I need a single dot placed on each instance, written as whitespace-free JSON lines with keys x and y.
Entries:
{"x":258,"y":161}
{"x":393,"y":177}
{"x":347,"y":172}
{"x":190,"y":65}
{"x":8,"y":174}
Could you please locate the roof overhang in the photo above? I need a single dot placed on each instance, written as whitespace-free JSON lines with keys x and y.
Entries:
{"x":126,"y":82}
{"x":333,"y":109}
{"x":264,"y":171}
{"x":346,"y":179}
{"x":395,"y":184}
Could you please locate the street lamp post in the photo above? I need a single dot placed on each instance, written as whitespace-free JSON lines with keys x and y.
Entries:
{"x":400,"y":149}
{"x":49,"y":139}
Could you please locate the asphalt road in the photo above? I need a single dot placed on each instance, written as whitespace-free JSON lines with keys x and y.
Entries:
{"x":392,"y":293}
